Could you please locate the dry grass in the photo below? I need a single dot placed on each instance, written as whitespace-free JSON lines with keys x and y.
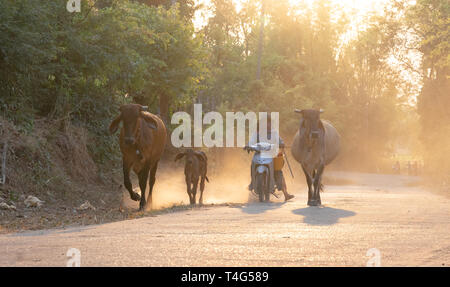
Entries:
{"x":52,"y":163}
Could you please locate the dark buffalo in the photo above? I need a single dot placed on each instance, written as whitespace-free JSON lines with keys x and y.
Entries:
{"x":315,"y":145}
{"x":142,"y":140}
{"x":195,"y":168}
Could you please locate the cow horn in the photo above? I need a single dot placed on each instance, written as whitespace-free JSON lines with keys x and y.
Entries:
{"x":144,"y":108}
{"x":298,"y":111}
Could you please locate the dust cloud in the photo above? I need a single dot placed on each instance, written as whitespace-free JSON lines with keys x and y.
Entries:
{"x":228,"y":173}
{"x":229,"y":177}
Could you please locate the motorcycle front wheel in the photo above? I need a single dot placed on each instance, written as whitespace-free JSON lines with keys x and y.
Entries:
{"x":260,"y":186}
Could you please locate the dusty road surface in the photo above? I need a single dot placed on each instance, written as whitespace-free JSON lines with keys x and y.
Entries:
{"x":407,"y":225}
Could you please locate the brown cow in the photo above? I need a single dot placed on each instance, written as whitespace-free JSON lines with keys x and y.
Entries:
{"x":195,"y":168}
{"x":316,"y":144}
{"x":142,"y":140}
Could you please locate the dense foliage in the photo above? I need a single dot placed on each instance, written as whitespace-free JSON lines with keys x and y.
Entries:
{"x":430,"y":21}
{"x":306,"y":63}
{"x":79,"y":66}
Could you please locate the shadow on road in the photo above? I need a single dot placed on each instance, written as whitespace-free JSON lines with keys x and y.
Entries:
{"x":257,"y":208}
{"x":322,"y":215}
{"x":35,"y":233}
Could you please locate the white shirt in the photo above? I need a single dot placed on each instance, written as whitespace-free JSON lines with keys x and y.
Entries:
{"x":273,"y":139}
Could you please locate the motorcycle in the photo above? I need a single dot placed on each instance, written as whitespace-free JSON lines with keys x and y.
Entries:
{"x":263,"y":171}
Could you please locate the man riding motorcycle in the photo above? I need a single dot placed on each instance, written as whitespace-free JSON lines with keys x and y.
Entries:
{"x":278,"y":173}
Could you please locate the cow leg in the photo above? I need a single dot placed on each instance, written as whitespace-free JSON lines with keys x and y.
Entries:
{"x":313,"y":177}
{"x":309,"y":182}
{"x":317,"y":181}
{"x":191,"y":195}
{"x":188,"y":186}
{"x":194,"y":190}
{"x":151,"y":183}
{"x":202,"y":187}
{"x":127,"y":182}
{"x":143,"y":176}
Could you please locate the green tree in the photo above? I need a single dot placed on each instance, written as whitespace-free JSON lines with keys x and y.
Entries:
{"x":79,"y":66}
{"x":430,"y":22}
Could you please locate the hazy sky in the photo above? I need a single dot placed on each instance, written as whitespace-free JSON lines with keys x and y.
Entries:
{"x":359,"y":8}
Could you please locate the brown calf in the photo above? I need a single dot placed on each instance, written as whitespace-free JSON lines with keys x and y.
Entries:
{"x":195,"y":167}
{"x":142,"y":140}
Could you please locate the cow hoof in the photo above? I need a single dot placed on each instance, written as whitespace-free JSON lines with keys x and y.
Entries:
{"x":142,"y":207}
{"x":135,"y":196}
{"x":313,"y":203}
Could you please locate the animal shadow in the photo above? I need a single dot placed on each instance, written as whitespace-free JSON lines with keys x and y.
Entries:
{"x":260,"y":207}
{"x":322,"y":215}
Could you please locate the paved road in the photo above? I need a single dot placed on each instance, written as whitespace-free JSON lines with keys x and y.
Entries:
{"x":407,"y":225}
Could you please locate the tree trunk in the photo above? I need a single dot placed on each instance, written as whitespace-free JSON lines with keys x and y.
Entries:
{"x":260,"y":42}
{"x":164,"y":108}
